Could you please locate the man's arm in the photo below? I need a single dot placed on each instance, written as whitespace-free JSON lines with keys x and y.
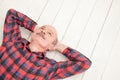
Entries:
{"x":13,"y":20}
{"x":77,"y":63}
{"x":20,"y":19}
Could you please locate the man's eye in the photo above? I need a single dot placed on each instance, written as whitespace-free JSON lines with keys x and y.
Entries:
{"x":49,"y":33}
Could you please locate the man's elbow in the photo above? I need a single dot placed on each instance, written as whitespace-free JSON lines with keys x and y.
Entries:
{"x":87,"y":64}
{"x":83,"y":66}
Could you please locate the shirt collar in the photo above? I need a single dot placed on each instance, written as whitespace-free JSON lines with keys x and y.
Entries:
{"x":40,"y":55}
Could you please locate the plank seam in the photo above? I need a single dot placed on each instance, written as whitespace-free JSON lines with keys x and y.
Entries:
{"x":99,"y":33}
{"x":113,"y":45}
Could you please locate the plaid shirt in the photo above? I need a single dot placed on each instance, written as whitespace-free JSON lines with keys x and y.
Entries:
{"x":17,"y":62}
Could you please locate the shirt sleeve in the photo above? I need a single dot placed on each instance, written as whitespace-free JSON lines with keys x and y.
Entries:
{"x":77,"y":63}
{"x":13,"y":20}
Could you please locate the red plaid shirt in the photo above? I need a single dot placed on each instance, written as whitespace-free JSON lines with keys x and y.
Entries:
{"x":17,"y":62}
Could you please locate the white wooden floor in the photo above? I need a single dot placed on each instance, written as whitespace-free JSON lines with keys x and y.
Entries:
{"x":90,"y":26}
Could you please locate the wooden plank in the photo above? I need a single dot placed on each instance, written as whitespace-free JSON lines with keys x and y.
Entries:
{"x":64,"y":16}
{"x":78,"y":23}
{"x":50,"y":12}
{"x":94,"y":27}
{"x":104,"y":44}
{"x":112,"y":70}
{"x":36,"y":8}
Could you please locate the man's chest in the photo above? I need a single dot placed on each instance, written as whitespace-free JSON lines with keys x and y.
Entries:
{"x":18,"y":54}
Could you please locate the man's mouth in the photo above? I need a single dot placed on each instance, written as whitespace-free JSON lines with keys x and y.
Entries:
{"x":40,"y":34}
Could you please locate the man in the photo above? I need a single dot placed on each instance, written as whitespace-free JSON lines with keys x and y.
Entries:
{"x":24,"y":60}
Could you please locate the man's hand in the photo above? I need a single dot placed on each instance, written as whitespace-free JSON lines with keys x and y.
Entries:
{"x":60,"y":47}
{"x":36,"y":27}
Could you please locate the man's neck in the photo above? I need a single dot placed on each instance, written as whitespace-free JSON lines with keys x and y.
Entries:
{"x":35,"y":47}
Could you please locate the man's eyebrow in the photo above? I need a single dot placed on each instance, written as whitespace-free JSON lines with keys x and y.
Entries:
{"x":43,"y":27}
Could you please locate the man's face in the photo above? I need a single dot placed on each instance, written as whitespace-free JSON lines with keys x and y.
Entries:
{"x":44,"y":36}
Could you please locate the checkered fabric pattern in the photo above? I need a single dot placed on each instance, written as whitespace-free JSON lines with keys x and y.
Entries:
{"x":17,"y":62}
